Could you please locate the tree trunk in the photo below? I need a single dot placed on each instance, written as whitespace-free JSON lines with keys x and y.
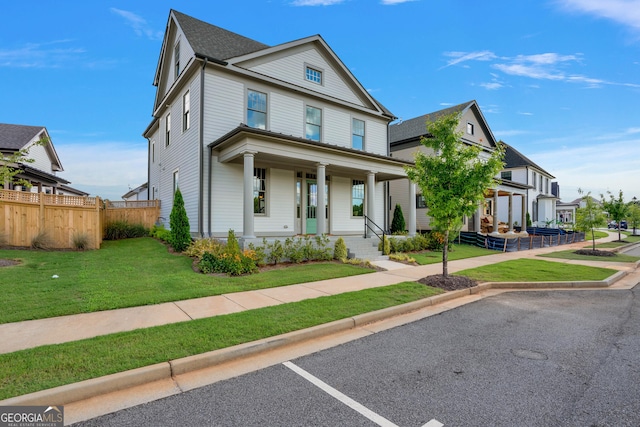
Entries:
{"x":445,"y":255}
{"x":593,"y":239}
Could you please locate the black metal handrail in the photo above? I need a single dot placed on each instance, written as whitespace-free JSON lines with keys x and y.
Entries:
{"x":368,"y":221}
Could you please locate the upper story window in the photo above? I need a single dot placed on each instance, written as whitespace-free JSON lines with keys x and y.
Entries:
{"x":535,"y":181}
{"x":506,"y":175}
{"x":176,"y":60}
{"x":313,"y":75}
{"x":540,"y":183}
{"x":357,"y":134}
{"x":186,"y":111}
{"x":153,"y":151}
{"x":470,"y":128}
{"x":313,"y":123}
{"x":256,"y":109}
{"x":167,"y":140}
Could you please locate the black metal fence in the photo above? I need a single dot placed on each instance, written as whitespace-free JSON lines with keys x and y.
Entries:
{"x":537,"y":238}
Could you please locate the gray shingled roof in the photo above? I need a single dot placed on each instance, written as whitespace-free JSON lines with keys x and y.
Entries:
{"x":215,"y":42}
{"x":15,"y":137}
{"x":417,"y":127}
{"x":515,"y":159}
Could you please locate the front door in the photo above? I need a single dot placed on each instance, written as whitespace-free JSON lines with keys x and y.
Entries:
{"x":312,"y":205}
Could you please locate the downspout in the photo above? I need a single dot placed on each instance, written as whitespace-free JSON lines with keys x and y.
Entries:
{"x":201,"y":152}
{"x":149,"y":196}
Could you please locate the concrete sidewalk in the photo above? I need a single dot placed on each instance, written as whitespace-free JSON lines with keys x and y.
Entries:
{"x":34,"y":333}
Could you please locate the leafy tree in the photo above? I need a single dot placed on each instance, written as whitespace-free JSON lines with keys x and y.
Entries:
{"x":616,"y":208}
{"x":590,"y":216}
{"x":454,"y":181}
{"x":179,"y":223}
{"x":9,"y":167}
{"x":398,"y":224}
{"x":634,"y":216}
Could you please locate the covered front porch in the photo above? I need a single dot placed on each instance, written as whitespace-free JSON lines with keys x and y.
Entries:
{"x":503,"y":213}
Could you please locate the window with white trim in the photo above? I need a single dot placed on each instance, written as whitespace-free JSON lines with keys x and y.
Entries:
{"x":505,"y":175}
{"x":175,"y":181}
{"x":313,"y":75}
{"x":313,"y":123}
{"x":176,"y":60}
{"x":357,"y":198}
{"x":259,"y":191}
{"x":470,"y":128}
{"x":357,"y":134}
{"x":167,"y":140}
{"x":186,"y":111}
{"x":256,"y":109}
{"x":420,"y":202}
{"x":153,"y":151}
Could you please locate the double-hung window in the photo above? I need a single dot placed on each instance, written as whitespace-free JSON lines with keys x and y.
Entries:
{"x":505,"y":175}
{"x":357,"y":134}
{"x":259,"y":191}
{"x":357,"y":198}
{"x":186,"y":111}
{"x":176,"y":60}
{"x":256,"y":109}
{"x":313,"y":123}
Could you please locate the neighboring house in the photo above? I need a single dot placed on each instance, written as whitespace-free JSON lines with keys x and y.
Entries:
{"x":265,"y":140}
{"x":42,"y":173}
{"x":541,"y":200}
{"x":138,"y":193}
{"x":405,"y":141}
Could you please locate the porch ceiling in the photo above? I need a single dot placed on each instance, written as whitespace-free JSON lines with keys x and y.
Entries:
{"x":287,"y":152}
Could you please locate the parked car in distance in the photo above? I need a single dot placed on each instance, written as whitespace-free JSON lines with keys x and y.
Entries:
{"x":614,"y":225}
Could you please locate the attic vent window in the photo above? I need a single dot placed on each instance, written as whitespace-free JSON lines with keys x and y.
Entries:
{"x":313,"y":75}
{"x":470,"y":128}
{"x":176,"y":59}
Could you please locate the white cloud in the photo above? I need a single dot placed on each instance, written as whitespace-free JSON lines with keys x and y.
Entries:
{"x":625,"y":12}
{"x":139,"y":24}
{"x":53,"y":54}
{"x":315,"y":2}
{"x":394,"y":2}
{"x":459,"y":57}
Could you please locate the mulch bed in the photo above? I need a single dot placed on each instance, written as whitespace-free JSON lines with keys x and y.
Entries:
{"x":592,"y":252}
{"x":449,"y":283}
{"x":8,"y":262}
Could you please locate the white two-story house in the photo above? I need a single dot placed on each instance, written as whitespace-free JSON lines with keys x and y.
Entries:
{"x":265,"y":140}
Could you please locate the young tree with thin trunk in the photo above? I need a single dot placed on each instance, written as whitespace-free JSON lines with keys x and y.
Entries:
{"x":9,"y":164}
{"x":590,"y":216}
{"x":634,"y":216}
{"x":616,"y":208}
{"x":454,"y":179}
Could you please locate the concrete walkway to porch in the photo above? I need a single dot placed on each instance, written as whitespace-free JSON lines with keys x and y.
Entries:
{"x":33,"y":333}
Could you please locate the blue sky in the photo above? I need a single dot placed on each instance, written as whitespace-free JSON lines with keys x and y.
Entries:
{"x":557,"y":79}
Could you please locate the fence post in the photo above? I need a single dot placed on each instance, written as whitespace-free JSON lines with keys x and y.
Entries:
{"x":98,"y":232}
{"x":41,"y":225}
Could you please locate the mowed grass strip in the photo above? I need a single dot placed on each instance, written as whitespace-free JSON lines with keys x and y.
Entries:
{"x":127,"y":273}
{"x":50,"y":366}
{"x":457,"y":252}
{"x":574,"y":256}
{"x":534,"y":270}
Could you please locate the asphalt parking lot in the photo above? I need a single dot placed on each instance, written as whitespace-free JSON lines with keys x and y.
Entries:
{"x":538,"y":358}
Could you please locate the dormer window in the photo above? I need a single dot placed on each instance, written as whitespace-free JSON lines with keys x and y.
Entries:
{"x":313,"y":75}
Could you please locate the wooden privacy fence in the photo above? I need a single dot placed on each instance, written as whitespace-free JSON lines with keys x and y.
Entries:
{"x":60,"y":220}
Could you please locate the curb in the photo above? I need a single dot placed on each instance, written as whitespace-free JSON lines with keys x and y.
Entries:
{"x":70,"y":393}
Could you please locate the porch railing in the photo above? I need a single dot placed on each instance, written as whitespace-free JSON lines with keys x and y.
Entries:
{"x":374,"y":228}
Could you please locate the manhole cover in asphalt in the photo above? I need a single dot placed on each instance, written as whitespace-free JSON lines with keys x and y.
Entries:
{"x":529,"y":354}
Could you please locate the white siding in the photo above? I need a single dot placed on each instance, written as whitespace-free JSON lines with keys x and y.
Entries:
{"x":336,"y":127}
{"x":376,"y":137}
{"x":280,"y":203}
{"x":227,"y":202}
{"x":341,"y":220}
{"x":41,"y":158}
{"x":290,"y":67}
{"x":224,"y":105}
{"x":286,"y":114}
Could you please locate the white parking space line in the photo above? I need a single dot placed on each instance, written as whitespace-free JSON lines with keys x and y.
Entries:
{"x":381,"y":421}
{"x":363,"y":410}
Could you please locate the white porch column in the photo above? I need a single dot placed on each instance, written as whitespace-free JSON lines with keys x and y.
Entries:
{"x":477,"y":227}
{"x":320,"y":211}
{"x":524,"y":213}
{"x":247,"y":222}
{"x":510,"y":211}
{"x":495,"y":210}
{"x":412,"y":209}
{"x":371,"y":199}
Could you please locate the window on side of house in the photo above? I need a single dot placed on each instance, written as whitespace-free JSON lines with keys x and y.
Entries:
{"x":420,"y":202}
{"x":546,"y":185}
{"x":505,"y":175}
{"x":259,"y":191}
{"x":175,"y":181}
{"x":357,"y":134}
{"x":167,"y":140}
{"x":470,"y":128}
{"x":535,"y":181}
{"x":176,"y":60}
{"x":357,"y":198}
{"x":541,"y":177}
{"x":256,"y":109}
{"x":153,"y":151}
{"x":313,"y":75}
{"x":313,"y":129}
{"x":186,"y":111}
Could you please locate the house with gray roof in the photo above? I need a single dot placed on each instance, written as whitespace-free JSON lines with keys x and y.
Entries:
{"x":42,"y":172}
{"x":266,"y":140}
{"x":504,"y":205}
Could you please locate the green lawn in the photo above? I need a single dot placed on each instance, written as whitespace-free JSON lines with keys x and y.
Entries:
{"x":569,"y":254}
{"x":457,"y":252}
{"x":50,"y":366}
{"x":533,"y":270}
{"x":126,"y":273}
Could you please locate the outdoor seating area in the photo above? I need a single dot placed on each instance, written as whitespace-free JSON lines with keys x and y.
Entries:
{"x":486,"y":225}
